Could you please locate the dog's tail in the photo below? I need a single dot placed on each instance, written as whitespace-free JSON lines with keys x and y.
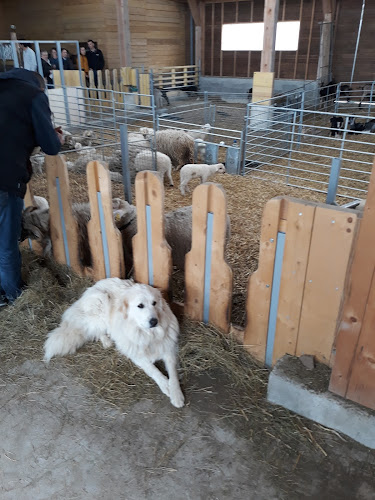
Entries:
{"x":63,"y":340}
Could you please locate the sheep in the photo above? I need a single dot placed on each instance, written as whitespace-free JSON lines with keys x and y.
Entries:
{"x":80,"y":164}
{"x":202,"y":171}
{"x":144,"y":161}
{"x":37,"y":163}
{"x":159,"y":95}
{"x":178,"y":232}
{"x":176,"y":144}
{"x":337,"y":125}
{"x":200,"y":133}
{"x":84,"y":139}
{"x":36,"y":225}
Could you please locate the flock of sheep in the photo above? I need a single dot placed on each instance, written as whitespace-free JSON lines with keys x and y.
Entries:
{"x":174,"y":149}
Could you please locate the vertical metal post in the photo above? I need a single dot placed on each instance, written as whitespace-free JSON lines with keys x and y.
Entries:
{"x":291,"y":147}
{"x":15,"y":55}
{"x":38,"y":59}
{"x":301,"y":118}
{"x":153,"y":140}
{"x":207,"y":267}
{"x":205,"y":106}
{"x":338,"y":90}
{"x":333,"y":181}
{"x":371,"y":94}
{"x":243,"y":154}
{"x":191,"y":40}
{"x":61,"y":68}
{"x":125,"y":162}
{"x":79,"y":63}
{"x":357,"y":44}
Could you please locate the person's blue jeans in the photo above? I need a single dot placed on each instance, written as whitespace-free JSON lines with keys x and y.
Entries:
{"x":11,"y":207}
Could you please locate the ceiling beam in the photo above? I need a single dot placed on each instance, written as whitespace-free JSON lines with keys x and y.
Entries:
{"x":194,"y":6}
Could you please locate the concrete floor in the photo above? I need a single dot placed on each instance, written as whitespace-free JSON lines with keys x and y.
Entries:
{"x":59,"y":441}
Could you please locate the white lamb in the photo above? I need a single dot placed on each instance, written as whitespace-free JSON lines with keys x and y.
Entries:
{"x":201,"y":132}
{"x":202,"y":171}
{"x":144,"y":161}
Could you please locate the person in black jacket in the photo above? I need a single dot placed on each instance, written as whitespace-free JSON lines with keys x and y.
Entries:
{"x":25,"y":122}
{"x":95,"y":59}
{"x":67,"y":62}
{"x":47,"y":68}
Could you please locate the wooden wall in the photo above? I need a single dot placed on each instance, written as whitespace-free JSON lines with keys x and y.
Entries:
{"x":297,"y":64}
{"x":158,"y":32}
{"x":157,"y":27}
{"x":346,"y":35}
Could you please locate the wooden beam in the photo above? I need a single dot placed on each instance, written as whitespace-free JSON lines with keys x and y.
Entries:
{"x":198,"y":45}
{"x":203,"y":36}
{"x":296,"y":57}
{"x":123,"y":26}
{"x":271,"y":15}
{"x":326,"y":41}
{"x":310,"y":36}
{"x":194,"y":6}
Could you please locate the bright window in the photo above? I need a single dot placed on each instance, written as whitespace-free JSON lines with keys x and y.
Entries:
{"x":249,"y":36}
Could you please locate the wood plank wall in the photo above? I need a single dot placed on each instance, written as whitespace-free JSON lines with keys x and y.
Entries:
{"x":158,"y":32}
{"x":301,"y":64}
{"x":158,"y":28}
{"x":345,"y":39}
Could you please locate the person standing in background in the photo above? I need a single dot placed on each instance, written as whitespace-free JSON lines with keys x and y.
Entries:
{"x":95,"y":59}
{"x":29,"y":57}
{"x":84,"y":62}
{"x":67,"y":62}
{"x":47,"y":68}
{"x":54,"y":59}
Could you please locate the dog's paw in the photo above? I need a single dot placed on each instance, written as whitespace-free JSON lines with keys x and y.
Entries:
{"x":177,"y":398}
{"x":106,"y":341}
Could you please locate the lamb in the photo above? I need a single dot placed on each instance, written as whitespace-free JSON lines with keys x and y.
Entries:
{"x":144,"y":161}
{"x":80,"y":164}
{"x":37,"y":163}
{"x":176,"y":144}
{"x":202,"y":171}
{"x":337,"y":125}
{"x":200,"y":133}
{"x":84,"y":139}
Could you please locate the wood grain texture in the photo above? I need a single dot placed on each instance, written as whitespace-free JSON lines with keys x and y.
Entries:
{"x":260,"y":283}
{"x":357,"y":296}
{"x":150,"y":191}
{"x":331,"y":245}
{"x":299,"y":223}
{"x":98,"y":181}
{"x":208,"y":198}
{"x":56,"y":169}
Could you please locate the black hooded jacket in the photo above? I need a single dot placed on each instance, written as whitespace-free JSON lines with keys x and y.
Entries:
{"x":25,"y":122}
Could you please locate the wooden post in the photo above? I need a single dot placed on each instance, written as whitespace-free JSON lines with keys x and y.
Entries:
{"x":355,"y":349}
{"x":271,"y":14}
{"x":325,"y":42}
{"x":198,"y":45}
{"x":151,"y":253}
{"x":104,"y":237}
{"x":208,"y":278}
{"x":123,"y":26}
{"x":64,"y":231}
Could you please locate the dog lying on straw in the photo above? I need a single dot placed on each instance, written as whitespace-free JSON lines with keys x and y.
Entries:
{"x":135,"y":318}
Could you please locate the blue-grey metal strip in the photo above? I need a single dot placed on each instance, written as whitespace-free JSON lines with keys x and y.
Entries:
{"x":79,"y":64}
{"x":212,"y":153}
{"x":62,"y":219}
{"x":62,"y":78}
{"x":125,"y":162}
{"x":150,"y":260}
{"x":231,"y":161}
{"x":333,"y":180}
{"x":207,"y":267}
{"x":275,"y":292}
{"x":104,"y":235}
{"x":38,"y":59}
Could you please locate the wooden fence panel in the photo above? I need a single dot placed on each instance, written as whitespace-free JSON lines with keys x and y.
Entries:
{"x":63,"y":226}
{"x":331,"y":244}
{"x":71,"y":78}
{"x":152,"y":255}
{"x":144,"y":88}
{"x":104,"y":238}
{"x":205,"y":284}
{"x":353,"y":344}
{"x":299,"y":221}
{"x":260,"y":284}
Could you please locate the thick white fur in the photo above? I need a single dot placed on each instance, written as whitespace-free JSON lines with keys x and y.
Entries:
{"x":143,"y":161}
{"x":193,"y":171}
{"x":200,"y":133}
{"x":109,"y":311}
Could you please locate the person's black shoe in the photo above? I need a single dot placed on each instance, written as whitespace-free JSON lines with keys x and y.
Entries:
{"x":3,"y":301}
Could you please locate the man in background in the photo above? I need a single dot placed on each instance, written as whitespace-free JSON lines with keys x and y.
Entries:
{"x":95,"y":59}
{"x":25,"y":122}
{"x":29,"y":57}
{"x":47,"y":68}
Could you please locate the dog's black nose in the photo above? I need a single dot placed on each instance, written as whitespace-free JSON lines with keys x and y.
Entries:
{"x":153,"y":322}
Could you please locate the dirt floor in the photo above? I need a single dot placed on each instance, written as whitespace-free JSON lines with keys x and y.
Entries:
{"x":92,"y":426}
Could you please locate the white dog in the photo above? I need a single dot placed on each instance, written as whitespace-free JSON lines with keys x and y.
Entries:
{"x":133,"y":316}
